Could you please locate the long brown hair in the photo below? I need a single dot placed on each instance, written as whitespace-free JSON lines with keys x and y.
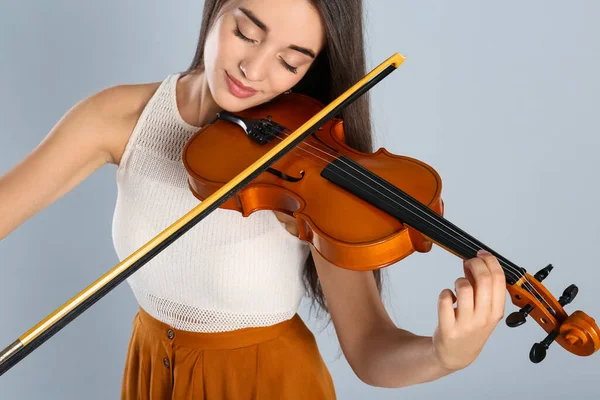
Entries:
{"x":338,"y":66}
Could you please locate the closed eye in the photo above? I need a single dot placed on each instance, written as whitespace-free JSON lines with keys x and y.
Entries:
{"x":288,"y":66}
{"x":239,"y":34}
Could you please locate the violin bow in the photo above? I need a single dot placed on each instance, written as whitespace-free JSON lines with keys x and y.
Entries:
{"x":62,"y":316}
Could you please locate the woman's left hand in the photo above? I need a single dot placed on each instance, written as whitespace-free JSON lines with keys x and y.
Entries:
{"x":480,"y":296}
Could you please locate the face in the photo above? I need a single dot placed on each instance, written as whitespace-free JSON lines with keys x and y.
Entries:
{"x":258,"y":49}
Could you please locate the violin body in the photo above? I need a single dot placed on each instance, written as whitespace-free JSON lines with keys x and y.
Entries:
{"x":348,"y":231}
{"x":360,"y":211}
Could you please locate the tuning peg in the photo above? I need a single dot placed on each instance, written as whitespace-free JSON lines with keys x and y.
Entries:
{"x":518,"y":318}
{"x":538,"y":350}
{"x":568,"y":295}
{"x":543,"y":273}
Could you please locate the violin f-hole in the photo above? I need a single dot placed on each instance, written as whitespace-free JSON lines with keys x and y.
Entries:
{"x":285,"y":176}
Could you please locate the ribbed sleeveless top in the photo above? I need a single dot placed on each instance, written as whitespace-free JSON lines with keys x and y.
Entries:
{"x":228,"y":271}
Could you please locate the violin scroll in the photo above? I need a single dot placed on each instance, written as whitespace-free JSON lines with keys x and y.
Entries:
{"x":577,"y":333}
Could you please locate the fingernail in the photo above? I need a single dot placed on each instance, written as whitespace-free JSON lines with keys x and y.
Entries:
{"x":482,"y":252}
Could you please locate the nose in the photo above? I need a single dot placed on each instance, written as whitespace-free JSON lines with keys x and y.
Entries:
{"x":254,"y":67}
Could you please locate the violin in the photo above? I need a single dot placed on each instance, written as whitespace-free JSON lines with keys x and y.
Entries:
{"x":360,"y":211}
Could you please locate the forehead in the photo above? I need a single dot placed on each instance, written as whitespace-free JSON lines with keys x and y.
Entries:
{"x":292,"y":21}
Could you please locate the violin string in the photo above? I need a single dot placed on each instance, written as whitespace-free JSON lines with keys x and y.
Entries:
{"x":509,"y":268}
{"x":513,"y":274}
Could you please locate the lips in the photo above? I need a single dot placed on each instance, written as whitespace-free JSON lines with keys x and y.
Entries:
{"x":238,"y":89}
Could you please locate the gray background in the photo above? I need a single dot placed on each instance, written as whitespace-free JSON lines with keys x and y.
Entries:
{"x":499,"y":97}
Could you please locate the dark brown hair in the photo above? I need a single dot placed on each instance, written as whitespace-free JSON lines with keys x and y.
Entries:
{"x":338,"y":66}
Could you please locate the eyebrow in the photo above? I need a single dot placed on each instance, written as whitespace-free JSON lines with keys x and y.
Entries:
{"x":265,"y":29}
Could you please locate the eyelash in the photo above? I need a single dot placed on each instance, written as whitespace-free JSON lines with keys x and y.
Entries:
{"x":239,"y":34}
{"x":288,"y":66}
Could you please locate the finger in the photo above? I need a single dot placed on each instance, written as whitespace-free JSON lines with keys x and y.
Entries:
{"x":483,"y":285}
{"x":468,"y":274}
{"x":446,"y":315}
{"x":498,"y":301}
{"x":464,"y":299}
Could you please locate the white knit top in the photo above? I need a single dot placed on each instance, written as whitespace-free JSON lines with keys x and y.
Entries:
{"x":227,"y":272}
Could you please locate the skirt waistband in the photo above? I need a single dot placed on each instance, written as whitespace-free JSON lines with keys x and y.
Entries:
{"x":215,"y":340}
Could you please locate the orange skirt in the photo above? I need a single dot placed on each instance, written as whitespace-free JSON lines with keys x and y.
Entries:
{"x":281,"y":361}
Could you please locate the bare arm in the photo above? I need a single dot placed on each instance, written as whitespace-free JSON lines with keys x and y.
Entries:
{"x":91,"y":134}
{"x":381,"y":354}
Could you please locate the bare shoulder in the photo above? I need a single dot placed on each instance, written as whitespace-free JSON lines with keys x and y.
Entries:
{"x":114,"y":112}
{"x":92,"y":133}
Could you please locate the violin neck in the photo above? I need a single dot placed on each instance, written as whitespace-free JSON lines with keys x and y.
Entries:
{"x":361,"y":182}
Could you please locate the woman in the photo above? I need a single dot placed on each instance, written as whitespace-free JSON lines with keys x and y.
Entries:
{"x":217,"y":314}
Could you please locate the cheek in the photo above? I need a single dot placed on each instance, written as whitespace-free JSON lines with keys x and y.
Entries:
{"x":282,"y":80}
{"x":211,"y":51}
{"x":220,"y":48}
{"x":229,"y":45}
